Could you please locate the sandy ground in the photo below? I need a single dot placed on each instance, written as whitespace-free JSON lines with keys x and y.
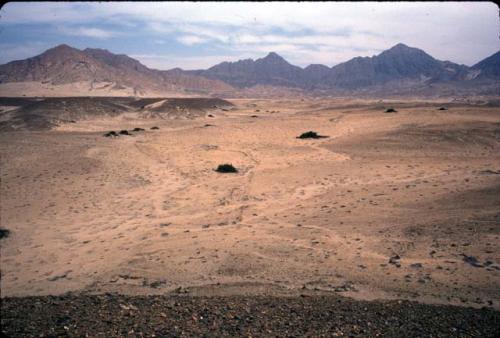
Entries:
{"x":147,"y":214}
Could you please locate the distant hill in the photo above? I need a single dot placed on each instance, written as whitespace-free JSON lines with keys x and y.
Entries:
{"x":489,"y":67}
{"x":270,"y":70}
{"x":64,"y":64}
{"x":400,"y":69}
{"x":398,"y":63}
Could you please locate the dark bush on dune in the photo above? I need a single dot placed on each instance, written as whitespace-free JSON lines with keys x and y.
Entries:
{"x":124,"y":132}
{"x":226,"y":168}
{"x":138,"y":129}
{"x":443,"y":108}
{"x":111,"y":134}
{"x":311,"y":134}
{"x":4,"y":233}
{"x":391,"y":110}
{"x":154,"y":128}
{"x":210,"y":115}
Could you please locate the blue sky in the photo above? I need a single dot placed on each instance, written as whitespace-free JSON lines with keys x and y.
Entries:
{"x":198,"y":35}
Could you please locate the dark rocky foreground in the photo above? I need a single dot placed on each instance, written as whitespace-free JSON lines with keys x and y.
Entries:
{"x":183,"y":316}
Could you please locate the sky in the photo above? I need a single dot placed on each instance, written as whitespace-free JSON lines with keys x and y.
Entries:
{"x":189,"y":35}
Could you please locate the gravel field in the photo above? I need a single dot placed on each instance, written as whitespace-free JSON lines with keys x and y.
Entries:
{"x":112,"y":315}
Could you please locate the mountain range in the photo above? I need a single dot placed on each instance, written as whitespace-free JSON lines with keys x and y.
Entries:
{"x":400,"y":69}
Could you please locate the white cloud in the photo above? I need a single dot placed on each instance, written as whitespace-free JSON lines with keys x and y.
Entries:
{"x":91,"y":32}
{"x":459,"y":31}
{"x":95,"y":33}
{"x":191,"y":39}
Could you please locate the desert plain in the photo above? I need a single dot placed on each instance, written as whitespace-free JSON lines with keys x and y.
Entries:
{"x":402,"y":205}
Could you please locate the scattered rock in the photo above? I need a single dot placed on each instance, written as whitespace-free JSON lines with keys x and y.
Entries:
{"x":157,"y":284}
{"x":179,"y":315}
{"x":209,"y":146}
{"x":490,"y":172}
{"x":347,"y":286}
{"x":180,"y":289}
{"x":57,"y":277}
{"x":394,"y":260}
{"x":472,"y":261}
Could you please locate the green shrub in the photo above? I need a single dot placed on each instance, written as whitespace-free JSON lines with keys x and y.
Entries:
{"x":226,"y":168}
{"x":111,"y":134}
{"x":311,"y":134}
{"x":4,"y":233}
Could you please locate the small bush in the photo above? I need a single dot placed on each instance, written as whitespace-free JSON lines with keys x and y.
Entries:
{"x":311,"y":134}
{"x":155,"y":128}
{"x":443,"y":108}
{"x":138,"y":129}
{"x":391,"y":110}
{"x":210,"y":115}
{"x":124,"y":132}
{"x":4,"y":233}
{"x":226,"y":168}
{"x":111,"y":134}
